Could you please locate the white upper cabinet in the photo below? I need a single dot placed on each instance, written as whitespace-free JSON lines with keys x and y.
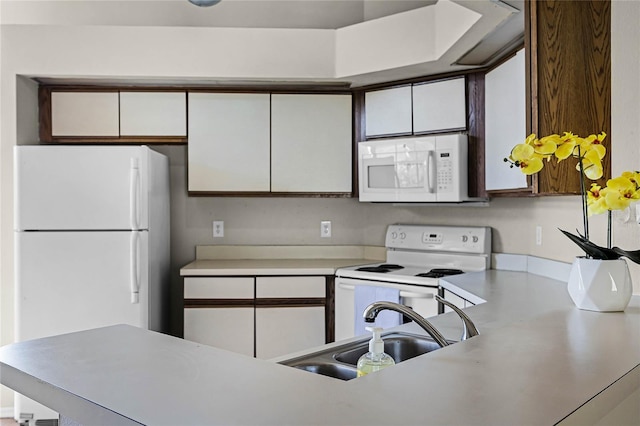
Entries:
{"x":229,"y":142}
{"x":311,"y":143}
{"x":84,"y":114}
{"x":153,"y":113}
{"x":388,"y":112}
{"x":504,"y":122}
{"x":440,"y":105}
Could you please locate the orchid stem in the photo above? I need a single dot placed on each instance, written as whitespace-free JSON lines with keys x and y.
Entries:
{"x":583,"y":194}
{"x":609,"y":229}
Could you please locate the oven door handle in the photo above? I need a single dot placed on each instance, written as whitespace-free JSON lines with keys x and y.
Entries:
{"x":413,"y":295}
{"x":345,"y":284}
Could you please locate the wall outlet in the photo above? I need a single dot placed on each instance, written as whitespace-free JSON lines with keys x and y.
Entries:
{"x":538,"y":235}
{"x":325,"y":229}
{"x":218,"y":229}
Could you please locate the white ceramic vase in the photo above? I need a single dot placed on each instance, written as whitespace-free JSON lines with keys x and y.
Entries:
{"x":600,"y":285}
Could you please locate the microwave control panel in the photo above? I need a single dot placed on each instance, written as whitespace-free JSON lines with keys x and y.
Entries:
{"x":445,"y":171}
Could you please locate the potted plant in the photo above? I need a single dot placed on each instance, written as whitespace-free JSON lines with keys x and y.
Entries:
{"x":600,"y":280}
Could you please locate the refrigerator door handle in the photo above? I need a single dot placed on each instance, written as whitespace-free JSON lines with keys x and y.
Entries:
{"x":135,"y":267}
{"x":134,"y":194}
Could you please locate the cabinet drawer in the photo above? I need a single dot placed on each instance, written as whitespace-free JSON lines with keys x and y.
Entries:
{"x":288,"y":287}
{"x":218,"y":288}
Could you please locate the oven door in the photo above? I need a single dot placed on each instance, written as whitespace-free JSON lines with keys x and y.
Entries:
{"x":420,"y":298}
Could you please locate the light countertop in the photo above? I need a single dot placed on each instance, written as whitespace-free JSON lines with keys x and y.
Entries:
{"x":278,"y":260}
{"x":537,"y":361}
{"x":239,"y":267}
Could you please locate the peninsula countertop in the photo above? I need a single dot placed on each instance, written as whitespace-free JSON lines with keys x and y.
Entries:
{"x":538,"y":360}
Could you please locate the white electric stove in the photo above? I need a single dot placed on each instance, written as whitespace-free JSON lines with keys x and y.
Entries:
{"x":417,"y":257}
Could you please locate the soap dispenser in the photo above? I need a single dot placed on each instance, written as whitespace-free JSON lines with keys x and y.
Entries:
{"x":375,"y":359}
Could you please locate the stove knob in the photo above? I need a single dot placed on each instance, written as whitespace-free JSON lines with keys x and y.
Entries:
{"x":402,"y":235}
{"x":465,"y":238}
{"x":394,"y":235}
{"x":475,"y":239}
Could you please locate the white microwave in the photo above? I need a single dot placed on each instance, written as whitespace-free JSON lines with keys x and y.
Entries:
{"x":421,"y":169}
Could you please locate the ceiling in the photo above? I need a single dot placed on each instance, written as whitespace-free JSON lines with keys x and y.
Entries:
{"x":305,"y":14}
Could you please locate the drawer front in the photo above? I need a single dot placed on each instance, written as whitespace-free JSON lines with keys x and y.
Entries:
{"x":218,"y":288}
{"x":290,"y":287}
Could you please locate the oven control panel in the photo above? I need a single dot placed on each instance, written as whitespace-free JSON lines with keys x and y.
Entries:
{"x":462,"y":239}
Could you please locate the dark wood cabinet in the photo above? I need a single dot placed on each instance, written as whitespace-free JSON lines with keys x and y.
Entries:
{"x":568,"y":47}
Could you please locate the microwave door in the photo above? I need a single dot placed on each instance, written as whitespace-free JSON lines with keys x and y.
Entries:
{"x":417,"y":177}
{"x":378,"y":179}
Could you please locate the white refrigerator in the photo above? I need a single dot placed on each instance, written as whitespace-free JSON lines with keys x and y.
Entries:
{"x":91,"y":242}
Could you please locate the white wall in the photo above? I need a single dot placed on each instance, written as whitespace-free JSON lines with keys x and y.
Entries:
{"x":171,"y":52}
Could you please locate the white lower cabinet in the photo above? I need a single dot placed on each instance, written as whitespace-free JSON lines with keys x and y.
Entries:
{"x":225,"y":328}
{"x":256,"y":316}
{"x":456,"y":300}
{"x":284,"y":330}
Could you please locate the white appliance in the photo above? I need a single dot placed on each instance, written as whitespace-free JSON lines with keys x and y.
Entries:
{"x":417,"y":256}
{"x":422,"y":169}
{"x":91,"y":242}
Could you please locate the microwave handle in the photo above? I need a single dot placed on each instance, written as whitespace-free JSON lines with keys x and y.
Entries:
{"x":431,"y":172}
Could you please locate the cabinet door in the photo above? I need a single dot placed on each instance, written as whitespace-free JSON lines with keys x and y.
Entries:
{"x":229,"y":142}
{"x":225,"y":328}
{"x":504,"y":122}
{"x":388,"y":112}
{"x":284,"y":330}
{"x":153,"y":114}
{"x":439,"y":106}
{"x":311,"y":143}
{"x":84,"y":114}
{"x":456,"y":300}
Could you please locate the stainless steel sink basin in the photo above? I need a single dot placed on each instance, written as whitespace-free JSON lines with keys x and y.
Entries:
{"x":335,"y":370}
{"x":340,"y":362}
{"x":398,"y":347}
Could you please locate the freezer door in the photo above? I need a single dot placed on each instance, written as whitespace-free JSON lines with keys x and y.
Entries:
{"x":81,"y":188}
{"x":71,"y":281}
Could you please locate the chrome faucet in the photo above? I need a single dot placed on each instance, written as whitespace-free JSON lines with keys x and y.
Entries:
{"x":469,"y":329}
{"x":372,"y":311}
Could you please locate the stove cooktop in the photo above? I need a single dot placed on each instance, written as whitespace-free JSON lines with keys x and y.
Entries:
{"x":427,"y":275}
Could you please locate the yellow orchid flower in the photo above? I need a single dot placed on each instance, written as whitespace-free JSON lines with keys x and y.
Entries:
{"x":523,"y":155}
{"x":634,"y":177}
{"x":620,"y":193}
{"x":566,"y":146}
{"x":594,"y":143}
{"x":547,"y":145}
{"x":596,"y":202}
{"x":592,"y":165}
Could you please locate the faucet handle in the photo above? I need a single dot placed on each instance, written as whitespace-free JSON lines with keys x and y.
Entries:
{"x":469,"y":329}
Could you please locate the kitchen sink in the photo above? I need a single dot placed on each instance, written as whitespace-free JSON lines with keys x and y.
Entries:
{"x":340,"y":362}
{"x":331,"y":369}
{"x":398,"y":347}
